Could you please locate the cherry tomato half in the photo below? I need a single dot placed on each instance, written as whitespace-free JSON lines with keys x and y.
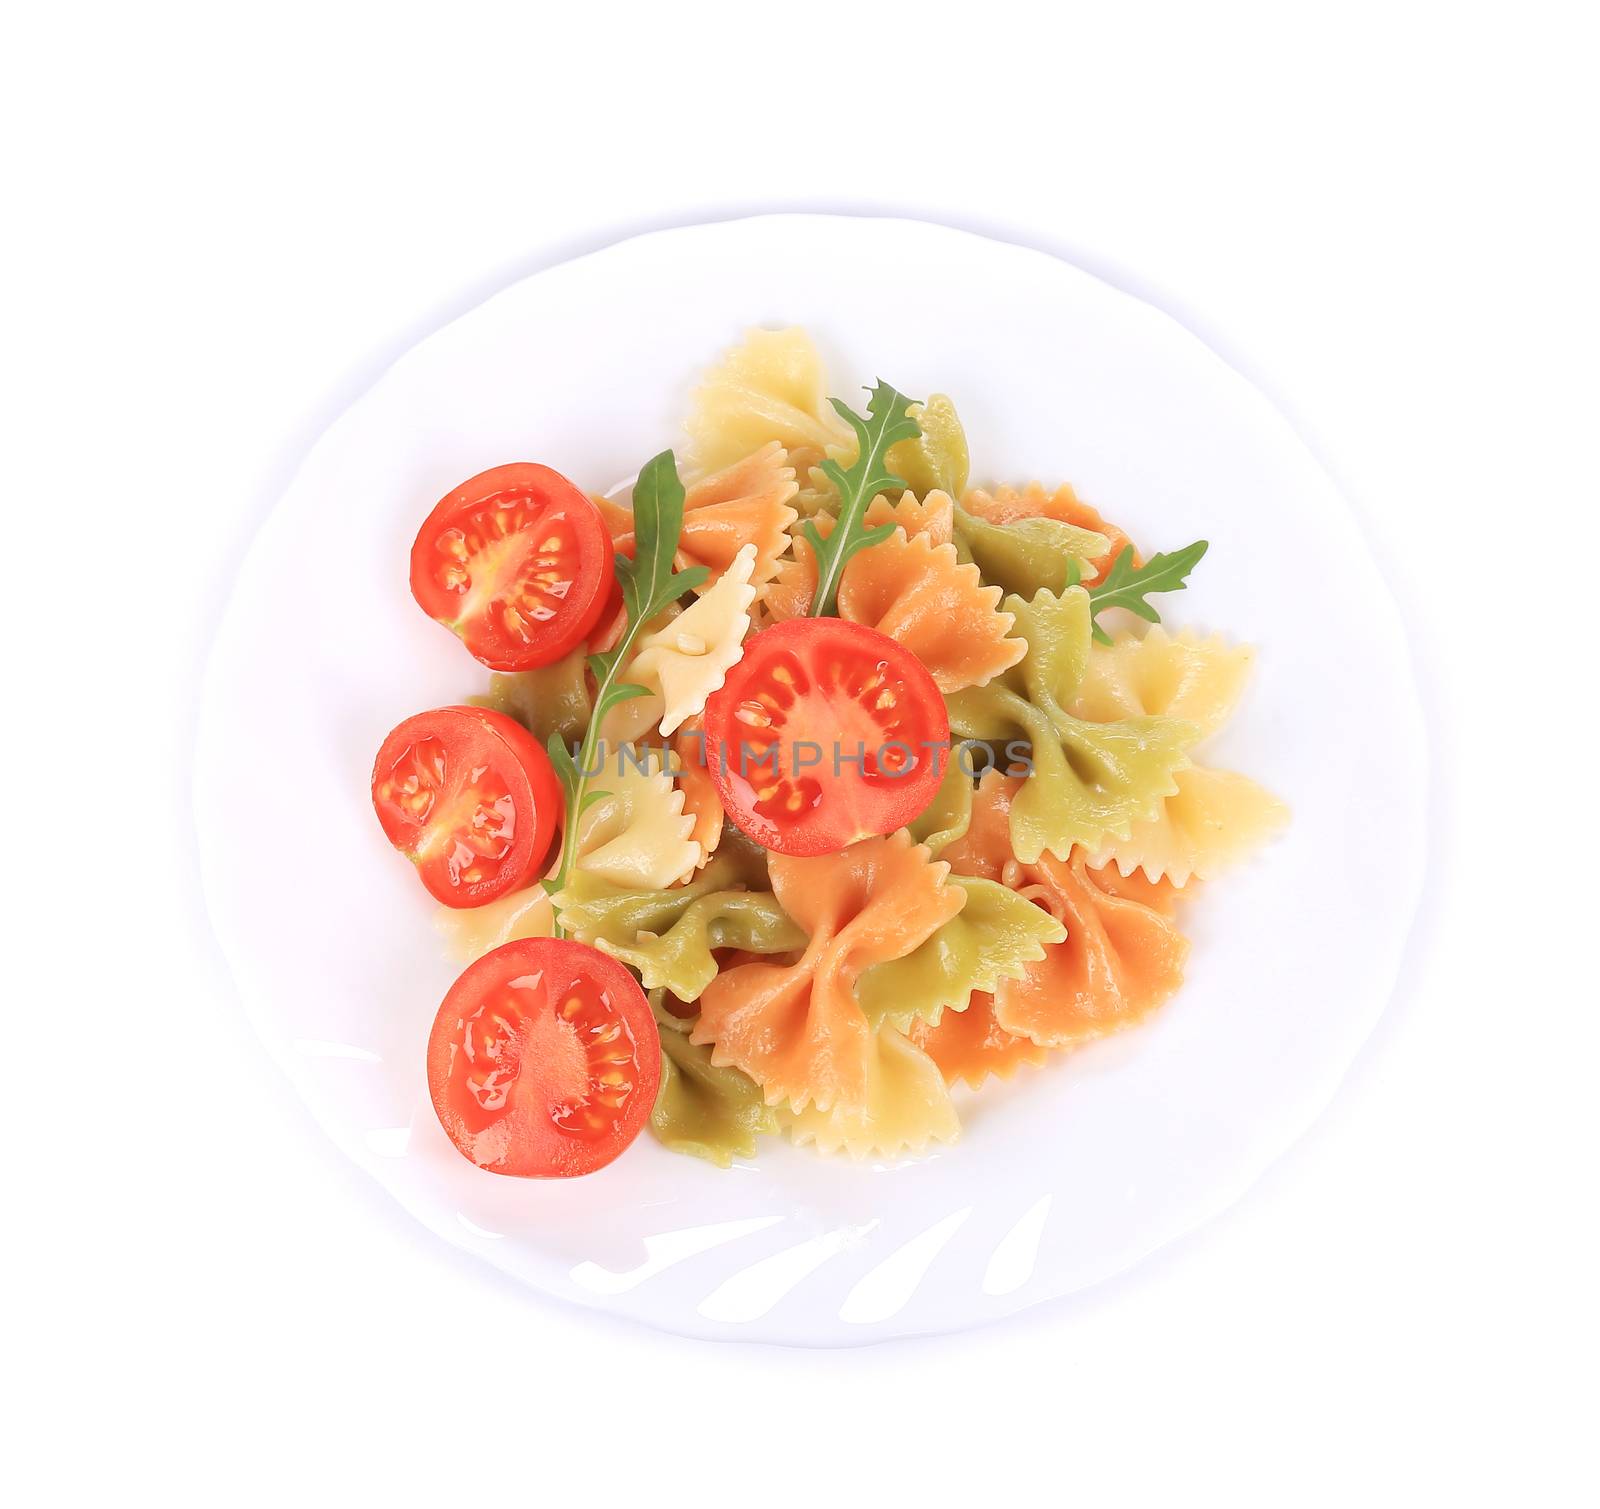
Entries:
{"x":544,"y":1061}
{"x":517,"y":563}
{"x":824,"y":733}
{"x":469,"y":797}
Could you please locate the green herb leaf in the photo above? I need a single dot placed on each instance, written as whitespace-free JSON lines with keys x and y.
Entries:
{"x":566,"y":771}
{"x":649,"y":583}
{"x":886,"y":424}
{"x":1126,"y":585}
{"x":649,"y":587}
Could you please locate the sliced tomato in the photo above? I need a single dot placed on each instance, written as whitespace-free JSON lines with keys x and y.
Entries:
{"x":469,"y":797}
{"x":517,"y":563}
{"x":544,"y":1061}
{"x":825,"y":732}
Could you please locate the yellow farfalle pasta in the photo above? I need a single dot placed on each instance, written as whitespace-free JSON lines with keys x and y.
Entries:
{"x":470,"y":932}
{"x":635,"y":833}
{"x":796,"y":1029}
{"x":1164,"y":675}
{"x":684,"y":661}
{"x":1215,"y":817}
{"x":768,"y":388}
{"x":907,"y":1105}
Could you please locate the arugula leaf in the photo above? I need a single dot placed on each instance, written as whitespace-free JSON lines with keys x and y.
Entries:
{"x":887,"y":423}
{"x":1126,"y":585}
{"x":649,"y":586}
{"x":566,"y":771}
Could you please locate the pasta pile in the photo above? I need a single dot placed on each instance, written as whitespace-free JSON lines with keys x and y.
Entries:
{"x":837,"y":999}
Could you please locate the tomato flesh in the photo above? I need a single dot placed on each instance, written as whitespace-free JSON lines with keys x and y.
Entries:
{"x":517,"y":562}
{"x":824,"y":733}
{"x":543,"y":1062}
{"x":469,"y":797}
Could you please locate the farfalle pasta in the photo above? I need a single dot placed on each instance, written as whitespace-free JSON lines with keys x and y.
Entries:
{"x":1215,"y":817}
{"x":635,"y":832}
{"x":1121,"y":956}
{"x":995,"y":936}
{"x":680,"y":664}
{"x":818,"y":787}
{"x":905,"y":1106}
{"x":797,"y":1029}
{"x":768,"y":389}
{"x":971,"y":1046}
{"x":1090,"y":782}
{"x":1014,"y":508}
{"x":707,"y":1112}
{"x":919,"y":593}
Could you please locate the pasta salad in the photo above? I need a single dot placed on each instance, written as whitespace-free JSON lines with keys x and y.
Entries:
{"x":810,"y":783}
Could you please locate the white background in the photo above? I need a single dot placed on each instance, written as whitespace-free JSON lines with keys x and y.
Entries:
{"x":222,"y":225}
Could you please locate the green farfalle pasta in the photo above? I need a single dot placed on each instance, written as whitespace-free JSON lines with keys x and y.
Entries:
{"x":554,"y":699}
{"x":948,"y":816}
{"x":703,"y":1110}
{"x":1088,"y":781}
{"x":681,"y":958}
{"x":994,"y":937}
{"x":936,"y":461}
{"x":1027,"y":556}
{"x":668,"y":935}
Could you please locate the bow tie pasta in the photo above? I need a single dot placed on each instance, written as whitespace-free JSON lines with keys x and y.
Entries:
{"x":746,"y":504}
{"x":1016,"y":509}
{"x":1215,"y":817}
{"x":770,"y":388}
{"x":711,"y":1113}
{"x":916,"y":591}
{"x":635,"y":831}
{"x":680,"y":664}
{"x":972,"y":1046}
{"x":1122,"y":955}
{"x":905,"y":1106}
{"x":1089,"y":781}
{"x":797,"y":1029}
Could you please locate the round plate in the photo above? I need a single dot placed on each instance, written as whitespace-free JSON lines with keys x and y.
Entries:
{"x":1064,"y":1176}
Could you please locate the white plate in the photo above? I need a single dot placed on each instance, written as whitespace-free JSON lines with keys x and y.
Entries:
{"x":1062,"y":1178}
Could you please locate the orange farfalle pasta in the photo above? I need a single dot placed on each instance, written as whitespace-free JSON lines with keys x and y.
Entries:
{"x":790,"y":593}
{"x":1123,"y":955}
{"x":795,"y":1028}
{"x":743,"y":504}
{"x":971,"y":1045}
{"x":913,"y":588}
{"x":1005,"y":505}
{"x":700,"y":799}
{"x":934,"y":515}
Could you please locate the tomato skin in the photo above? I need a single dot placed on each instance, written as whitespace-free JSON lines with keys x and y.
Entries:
{"x":470,"y":798}
{"x":543,"y":1061}
{"x":849,"y":691}
{"x":517,"y":563}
